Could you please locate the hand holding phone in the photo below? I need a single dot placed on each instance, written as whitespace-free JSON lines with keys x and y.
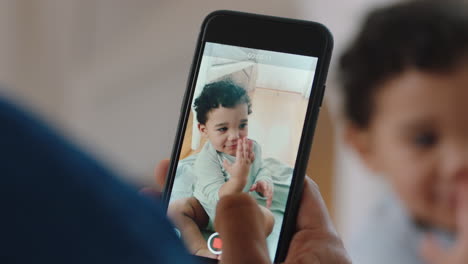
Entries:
{"x":314,"y":237}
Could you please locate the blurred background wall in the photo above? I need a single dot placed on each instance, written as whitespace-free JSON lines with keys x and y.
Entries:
{"x":112,"y":73}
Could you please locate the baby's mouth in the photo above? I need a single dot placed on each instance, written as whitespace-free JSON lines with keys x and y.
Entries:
{"x":234,"y":146}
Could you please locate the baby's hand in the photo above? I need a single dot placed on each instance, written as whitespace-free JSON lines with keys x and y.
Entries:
{"x":266,"y":189}
{"x":239,"y":170}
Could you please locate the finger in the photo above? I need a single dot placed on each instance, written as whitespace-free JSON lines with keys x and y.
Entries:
{"x":313,"y":212}
{"x":249,"y":147}
{"x":239,"y":151}
{"x":269,"y":200}
{"x":251,"y":150}
{"x":314,"y":226}
{"x":246,"y":242}
{"x":315,"y":232}
{"x":160,"y":172}
{"x":269,"y":195}
{"x":252,"y":156}
{"x":431,"y":251}
{"x":264,"y":189}
{"x":151,"y":192}
{"x":253,"y":188}
{"x":245,"y":145}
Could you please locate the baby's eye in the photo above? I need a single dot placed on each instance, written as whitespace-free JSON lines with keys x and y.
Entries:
{"x":425,"y":140}
{"x":244,"y":125}
{"x":222,"y":129}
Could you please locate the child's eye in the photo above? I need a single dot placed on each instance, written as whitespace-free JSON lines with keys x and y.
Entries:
{"x":425,"y":139}
{"x":222,"y":129}
{"x":242,"y":126}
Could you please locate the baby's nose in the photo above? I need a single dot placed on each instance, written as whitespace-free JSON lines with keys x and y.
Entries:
{"x":234,"y":134}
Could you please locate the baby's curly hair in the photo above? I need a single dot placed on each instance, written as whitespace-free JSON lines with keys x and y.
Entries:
{"x":426,"y":35}
{"x":223,"y":93}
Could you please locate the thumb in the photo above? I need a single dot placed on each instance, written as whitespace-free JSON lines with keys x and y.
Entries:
{"x":254,"y":186}
{"x":431,"y":250}
{"x":269,"y":201}
{"x":160,"y":172}
{"x":314,"y":228}
{"x":246,"y":242}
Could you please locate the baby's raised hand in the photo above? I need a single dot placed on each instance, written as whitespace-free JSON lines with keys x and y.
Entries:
{"x":266,"y":189}
{"x":239,"y":170}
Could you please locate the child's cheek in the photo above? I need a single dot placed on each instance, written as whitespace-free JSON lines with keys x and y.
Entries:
{"x":243,"y":134}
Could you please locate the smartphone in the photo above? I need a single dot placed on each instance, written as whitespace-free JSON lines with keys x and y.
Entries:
{"x":249,"y":113}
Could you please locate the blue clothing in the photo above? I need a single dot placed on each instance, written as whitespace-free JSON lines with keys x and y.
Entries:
{"x":58,"y":205}
{"x":389,"y":236}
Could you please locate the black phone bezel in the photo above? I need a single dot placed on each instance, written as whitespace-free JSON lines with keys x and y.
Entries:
{"x":275,"y":34}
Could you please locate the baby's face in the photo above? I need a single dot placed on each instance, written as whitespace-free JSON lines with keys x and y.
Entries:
{"x":225,"y":126}
{"x":418,"y":139}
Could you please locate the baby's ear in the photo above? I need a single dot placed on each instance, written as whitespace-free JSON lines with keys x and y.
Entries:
{"x":359,"y":140}
{"x":202,"y":129}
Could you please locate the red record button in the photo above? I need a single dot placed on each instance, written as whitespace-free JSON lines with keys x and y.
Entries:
{"x":215,"y":244}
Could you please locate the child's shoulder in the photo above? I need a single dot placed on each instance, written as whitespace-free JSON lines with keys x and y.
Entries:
{"x":256,"y":146}
{"x":254,"y":142}
{"x":388,"y":231}
{"x":207,"y":150}
{"x":207,"y":154}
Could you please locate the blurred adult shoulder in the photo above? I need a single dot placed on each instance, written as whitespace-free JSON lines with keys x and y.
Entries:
{"x":60,"y":205}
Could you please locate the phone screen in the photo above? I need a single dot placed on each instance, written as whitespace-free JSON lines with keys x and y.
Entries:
{"x":240,"y":93}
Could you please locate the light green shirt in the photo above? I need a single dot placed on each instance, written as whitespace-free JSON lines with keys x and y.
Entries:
{"x":210,"y":175}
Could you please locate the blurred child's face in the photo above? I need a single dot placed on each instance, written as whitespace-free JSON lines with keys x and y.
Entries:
{"x":224,"y":126}
{"x":418,"y":139}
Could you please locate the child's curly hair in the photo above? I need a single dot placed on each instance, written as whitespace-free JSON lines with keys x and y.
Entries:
{"x":223,"y":93}
{"x":426,"y":35}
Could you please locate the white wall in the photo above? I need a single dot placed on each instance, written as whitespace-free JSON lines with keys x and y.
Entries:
{"x":284,"y":79}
